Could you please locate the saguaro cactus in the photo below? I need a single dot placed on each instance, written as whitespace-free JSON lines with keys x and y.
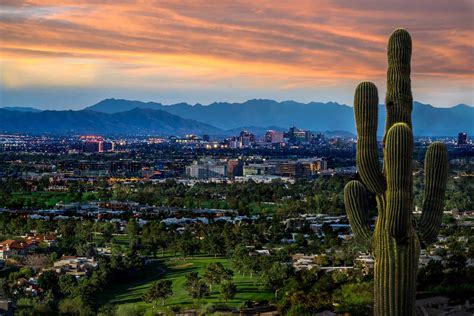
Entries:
{"x":397,"y":237}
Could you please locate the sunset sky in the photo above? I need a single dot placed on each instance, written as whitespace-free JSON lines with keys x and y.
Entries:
{"x":71,"y":54}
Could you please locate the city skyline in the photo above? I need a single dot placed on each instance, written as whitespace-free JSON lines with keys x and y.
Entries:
{"x":63,"y":55}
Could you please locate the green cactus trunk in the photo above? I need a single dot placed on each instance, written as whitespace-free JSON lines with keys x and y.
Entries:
{"x":396,"y":241}
{"x":395,"y":273}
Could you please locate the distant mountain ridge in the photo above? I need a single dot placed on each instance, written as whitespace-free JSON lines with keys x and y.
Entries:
{"x":20,"y":109}
{"x":256,"y":113}
{"x":134,"y":122}
{"x":124,"y":117}
{"x":259,"y":113}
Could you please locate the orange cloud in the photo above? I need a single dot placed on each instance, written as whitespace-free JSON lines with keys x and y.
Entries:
{"x":291,"y":44}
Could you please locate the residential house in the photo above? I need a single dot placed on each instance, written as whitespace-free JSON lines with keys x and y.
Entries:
{"x":76,"y":266}
{"x":11,"y":247}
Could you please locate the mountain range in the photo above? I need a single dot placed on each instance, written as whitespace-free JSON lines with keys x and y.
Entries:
{"x":117,"y":116}
{"x":133,"y":122}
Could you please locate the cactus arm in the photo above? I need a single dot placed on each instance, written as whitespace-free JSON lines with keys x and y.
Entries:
{"x":366,"y":112}
{"x":398,"y":158}
{"x":436,"y":174}
{"x":399,"y":99}
{"x":355,"y":200}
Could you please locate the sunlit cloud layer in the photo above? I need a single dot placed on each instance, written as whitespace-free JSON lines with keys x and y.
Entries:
{"x":72,"y":53}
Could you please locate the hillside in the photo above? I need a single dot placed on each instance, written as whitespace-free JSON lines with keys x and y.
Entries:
{"x":133,"y":122}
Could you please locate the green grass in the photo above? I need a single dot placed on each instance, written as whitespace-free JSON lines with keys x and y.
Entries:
{"x":121,"y":240}
{"x":49,"y":199}
{"x":263,"y":208}
{"x":176,"y":270}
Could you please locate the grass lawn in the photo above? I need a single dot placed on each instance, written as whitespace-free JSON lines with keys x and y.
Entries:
{"x":119,"y":239}
{"x":50,"y":198}
{"x":122,"y":240}
{"x":263,"y":208}
{"x":176,"y":269}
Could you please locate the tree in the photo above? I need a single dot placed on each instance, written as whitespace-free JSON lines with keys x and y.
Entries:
{"x":300,"y":240}
{"x":431,"y":274}
{"x":74,"y":306}
{"x":107,"y":230}
{"x":328,"y":231}
{"x":159,"y":290}
{"x":187,"y":243}
{"x":215,"y":273}
{"x":195,"y":286}
{"x":306,"y":303}
{"x":213,"y":243}
{"x":33,"y":306}
{"x":48,"y":281}
{"x":228,"y":290}
{"x":240,"y":256}
{"x":456,"y":262}
{"x":66,"y":284}
{"x":154,"y":236}
{"x":86,"y":250}
{"x":322,"y":260}
{"x":37,"y":261}
{"x":132,"y":232}
{"x":355,"y":298}
{"x":87,"y":289}
{"x":83,"y":233}
{"x":275,"y":277}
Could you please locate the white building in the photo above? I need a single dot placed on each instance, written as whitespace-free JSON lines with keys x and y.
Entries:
{"x":206,"y":169}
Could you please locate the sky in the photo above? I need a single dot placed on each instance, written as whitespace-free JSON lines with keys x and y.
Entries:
{"x":72,"y":54}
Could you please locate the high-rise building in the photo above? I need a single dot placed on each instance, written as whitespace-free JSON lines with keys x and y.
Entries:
{"x":109,"y":146}
{"x":274,"y":137}
{"x":96,"y":144}
{"x":318,"y":139}
{"x":321,"y":164}
{"x":462,"y":139}
{"x":246,"y":139}
{"x":231,"y":142}
{"x":92,"y":144}
{"x":296,"y":135}
{"x":234,"y":168}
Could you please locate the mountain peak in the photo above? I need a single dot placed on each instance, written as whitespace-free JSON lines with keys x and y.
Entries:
{"x":463,"y":106}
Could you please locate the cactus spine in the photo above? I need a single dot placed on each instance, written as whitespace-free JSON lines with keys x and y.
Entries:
{"x":395,"y":241}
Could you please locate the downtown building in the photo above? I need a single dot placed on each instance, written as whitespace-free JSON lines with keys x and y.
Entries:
{"x":301,"y":168}
{"x":274,"y":137}
{"x":207,"y":169}
{"x":462,"y":139}
{"x":244,"y":140}
{"x":96,"y":144}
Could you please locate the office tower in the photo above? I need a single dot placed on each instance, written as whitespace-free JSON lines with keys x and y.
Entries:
{"x":462,"y":139}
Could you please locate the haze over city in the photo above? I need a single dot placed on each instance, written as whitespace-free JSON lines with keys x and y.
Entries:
{"x":65,"y":55}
